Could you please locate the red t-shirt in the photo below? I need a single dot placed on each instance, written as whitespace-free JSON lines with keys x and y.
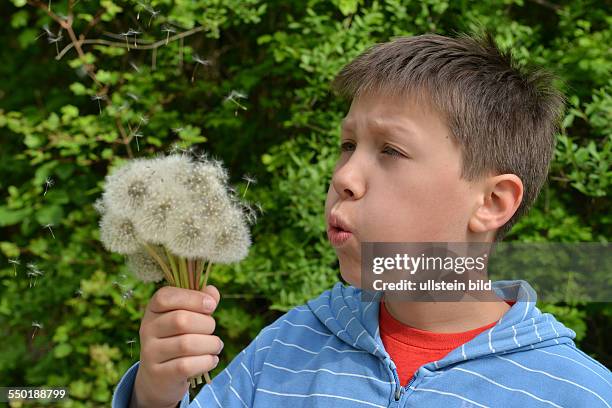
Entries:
{"x":410,"y":348}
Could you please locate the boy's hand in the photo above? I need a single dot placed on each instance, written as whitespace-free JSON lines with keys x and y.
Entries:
{"x":176,"y":344}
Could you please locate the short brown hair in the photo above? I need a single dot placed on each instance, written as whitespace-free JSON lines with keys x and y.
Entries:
{"x":504,"y":116}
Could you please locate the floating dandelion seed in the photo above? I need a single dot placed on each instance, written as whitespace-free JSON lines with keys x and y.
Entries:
{"x":137,"y":135}
{"x":49,"y":226}
{"x":177,"y":130}
{"x":115,"y":283}
{"x":35,"y":273}
{"x":79,"y":292}
{"x":133,"y":65}
{"x":98,"y":98}
{"x":143,"y":120}
{"x":126,"y":35}
{"x":126,"y":296}
{"x":47,"y":31}
{"x":36,"y":326}
{"x":249,"y":179}
{"x":15,"y":262}
{"x":199,"y":61}
{"x":123,"y":106}
{"x":55,"y":39}
{"x":233,"y":96}
{"x":134,"y":33}
{"x":48,"y":183}
{"x":168,"y":30}
{"x":154,"y":14}
{"x":133,"y":96}
{"x":131,"y":342}
{"x":259,"y":208}
{"x":250,"y":213}
{"x":144,"y":6}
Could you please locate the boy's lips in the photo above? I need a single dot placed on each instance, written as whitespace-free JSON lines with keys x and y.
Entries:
{"x":338,"y":230}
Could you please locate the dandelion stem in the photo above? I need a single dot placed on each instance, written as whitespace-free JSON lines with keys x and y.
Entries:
{"x":182,"y":280}
{"x":173,"y":265}
{"x":207,"y":272}
{"x":160,"y":261}
{"x":190,"y":273}
{"x":199,"y":267}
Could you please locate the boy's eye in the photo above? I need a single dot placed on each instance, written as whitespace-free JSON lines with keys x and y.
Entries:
{"x":393,"y":151}
{"x":346,"y":146}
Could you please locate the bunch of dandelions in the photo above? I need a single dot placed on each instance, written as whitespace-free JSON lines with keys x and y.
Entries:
{"x":173,"y":217}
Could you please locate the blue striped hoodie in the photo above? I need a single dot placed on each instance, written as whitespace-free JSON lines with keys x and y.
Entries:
{"x":328,"y":353}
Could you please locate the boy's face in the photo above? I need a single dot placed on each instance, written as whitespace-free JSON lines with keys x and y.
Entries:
{"x":412,"y":194}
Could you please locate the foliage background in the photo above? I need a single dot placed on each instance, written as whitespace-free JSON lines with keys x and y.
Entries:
{"x":281,"y":55}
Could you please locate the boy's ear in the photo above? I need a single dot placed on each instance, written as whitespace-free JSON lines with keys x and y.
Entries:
{"x":502,"y":196}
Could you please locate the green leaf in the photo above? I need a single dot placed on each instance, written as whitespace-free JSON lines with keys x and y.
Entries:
{"x":78,"y":88}
{"x":11,"y":217}
{"x":51,"y":214}
{"x":20,"y":19}
{"x":9,"y":249}
{"x":62,"y":350}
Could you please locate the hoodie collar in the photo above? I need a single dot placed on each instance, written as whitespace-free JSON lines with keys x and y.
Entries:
{"x":352,"y":315}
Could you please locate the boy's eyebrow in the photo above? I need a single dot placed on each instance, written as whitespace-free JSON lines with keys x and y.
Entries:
{"x":381,"y":126}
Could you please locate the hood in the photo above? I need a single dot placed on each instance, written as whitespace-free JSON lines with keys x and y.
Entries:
{"x":523,"y":326}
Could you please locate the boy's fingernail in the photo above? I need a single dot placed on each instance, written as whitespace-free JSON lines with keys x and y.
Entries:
{"x":209,"y":304}
{"x":216,"y":360}
{"x":221,"y":348}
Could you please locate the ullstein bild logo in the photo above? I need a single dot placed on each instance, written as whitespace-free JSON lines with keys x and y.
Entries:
{"x":465,"y":271}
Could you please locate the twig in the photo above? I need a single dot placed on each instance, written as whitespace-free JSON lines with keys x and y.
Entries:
{"x":144,"y":46}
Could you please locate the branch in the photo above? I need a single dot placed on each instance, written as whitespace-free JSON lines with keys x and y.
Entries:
{"x":146,"y":45}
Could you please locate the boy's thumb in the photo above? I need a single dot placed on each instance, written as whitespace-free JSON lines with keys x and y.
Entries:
{"x":212,"y":291}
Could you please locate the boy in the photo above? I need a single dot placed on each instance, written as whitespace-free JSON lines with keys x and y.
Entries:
{"x":445,"y":141}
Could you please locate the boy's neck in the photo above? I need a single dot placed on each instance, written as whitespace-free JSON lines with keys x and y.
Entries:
{"x":446,"y":317}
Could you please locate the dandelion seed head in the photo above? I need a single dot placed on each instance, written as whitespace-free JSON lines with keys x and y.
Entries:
{"x":36,"y":324}
{"x":200,"y":178}
{"x":128,"y":188}
{"x":189,"y":235}
{"x":133,"y":96}
{"x":14,"y":261}
{"x":167,"y":169}
{"x":49,"y":181}
{"x":153,"y":220}
{"x":232,"y":238}
{"x":118,"y":234}
{"x":145,"y":268}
